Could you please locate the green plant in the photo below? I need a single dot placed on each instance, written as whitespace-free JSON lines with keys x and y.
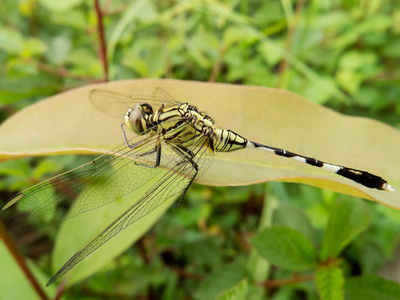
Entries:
{"x":341,"y":54}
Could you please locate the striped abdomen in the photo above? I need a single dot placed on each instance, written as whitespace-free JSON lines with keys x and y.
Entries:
{"x":225,"y":140}
{"x":366,"y":179}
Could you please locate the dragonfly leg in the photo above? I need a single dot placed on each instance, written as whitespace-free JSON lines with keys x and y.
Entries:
{"x":127,"y":142}
{"x":189,"y":155}
{"x":156,"y":149}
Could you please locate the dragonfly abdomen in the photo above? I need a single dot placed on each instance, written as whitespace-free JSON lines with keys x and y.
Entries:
{"x":225,"y":140}
{"x":362,"y":177}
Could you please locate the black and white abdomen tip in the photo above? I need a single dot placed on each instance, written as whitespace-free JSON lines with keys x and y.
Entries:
{"x":362,"y":177}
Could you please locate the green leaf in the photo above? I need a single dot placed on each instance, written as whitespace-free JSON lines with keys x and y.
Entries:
{"x":71,"y":18}
{"x":318,"y":95}
{"x":238,"y":292}
{"x":294,"y":218}
{"x":284,"y":293}
{"x":32,"y":47}
{"x":60,"y":6}
{"x":149,"y":13}
{"x":204,"y":48}
{"x":71,"y":238}
{"x":46,"y":166}
{"x":222,"y":280}
{"x":275,"y":117}
{"x":82,"y":58}
{"x":371,"y":287}
{"x":349,"y":80}
{"x":11,"y":40}
{"x":286,"y":248}
{"x":17,"y":168}
{"x":330,"y":282}
{"x":138,"y":64}
{"x":371,"y":256}
{"x":358,"y":60}
{"x":60,"y":48}
{"x":131,"y":13}
{"x":347,"y":220}
{"x":379,"y":23}
{"x":391,"y":49}
{"x":32,"y":84}
{"x":270,"y":52}
{"x":17,"y":175}
{"x":234,"y":34}
{"x":13,"y":282}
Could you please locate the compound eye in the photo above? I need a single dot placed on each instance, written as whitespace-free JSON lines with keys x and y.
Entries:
{"x":146,"y":108}
{"x":137,"y":118}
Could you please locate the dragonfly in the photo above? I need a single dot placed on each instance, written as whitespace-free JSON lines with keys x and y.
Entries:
{"x":173,"y":142}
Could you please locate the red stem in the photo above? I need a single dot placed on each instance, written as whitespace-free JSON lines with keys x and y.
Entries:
{"x":286,"y":281}
{"x":103,"y":49}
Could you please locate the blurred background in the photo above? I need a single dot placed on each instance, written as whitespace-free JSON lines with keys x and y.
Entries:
{"x":343,"y":54}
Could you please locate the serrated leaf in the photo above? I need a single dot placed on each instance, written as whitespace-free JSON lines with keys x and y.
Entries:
{"x":295,"y":218}
{"x":371,"y":287}
{"x":346,"y":221}
{"x":238,"y":292}
{"x":221,"y":280}
{"x":330,"y":282}
{"x":286,"y":248}
{"x":275,"y":117}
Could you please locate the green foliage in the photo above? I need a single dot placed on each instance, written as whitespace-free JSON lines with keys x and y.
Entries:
{"x":286,"y":248}
{"x":347,"y":220}
{"x":12,"y":276}
{"x":371,"y":287}
{"x":330,"y":281}
{"x":224,"y":283}
{"x":342,"y":54}
{"x":294,"y":218}
{"x":238,"y":292}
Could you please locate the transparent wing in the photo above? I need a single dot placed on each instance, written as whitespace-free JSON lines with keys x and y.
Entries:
{"x":177,"y":180}
{"x":160,"y":92}
{"x":90,"y":186}
{"x":116,"y":104}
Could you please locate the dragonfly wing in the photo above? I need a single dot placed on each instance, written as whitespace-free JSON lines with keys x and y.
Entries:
{"x":177,"y":180}
{"x":161,"y":93}
{"x":116,"y":104}
{"x":90,"y":186}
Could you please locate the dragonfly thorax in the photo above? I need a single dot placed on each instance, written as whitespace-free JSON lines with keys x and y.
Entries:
{"x":139,"y":118}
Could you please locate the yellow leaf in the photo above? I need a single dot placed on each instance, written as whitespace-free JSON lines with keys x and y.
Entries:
{"x":68,"y":123}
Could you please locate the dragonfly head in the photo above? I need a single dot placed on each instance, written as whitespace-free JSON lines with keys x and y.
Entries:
{"x":138,"y":119}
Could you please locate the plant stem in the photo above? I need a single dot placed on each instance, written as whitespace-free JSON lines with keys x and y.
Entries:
{"x":103,"y":50}
{"x":217,"y":66}
{"x":62,"y":72}
{"x":60,"y":290}
{"x":286,"y":281}
{"x":259,"y":266}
